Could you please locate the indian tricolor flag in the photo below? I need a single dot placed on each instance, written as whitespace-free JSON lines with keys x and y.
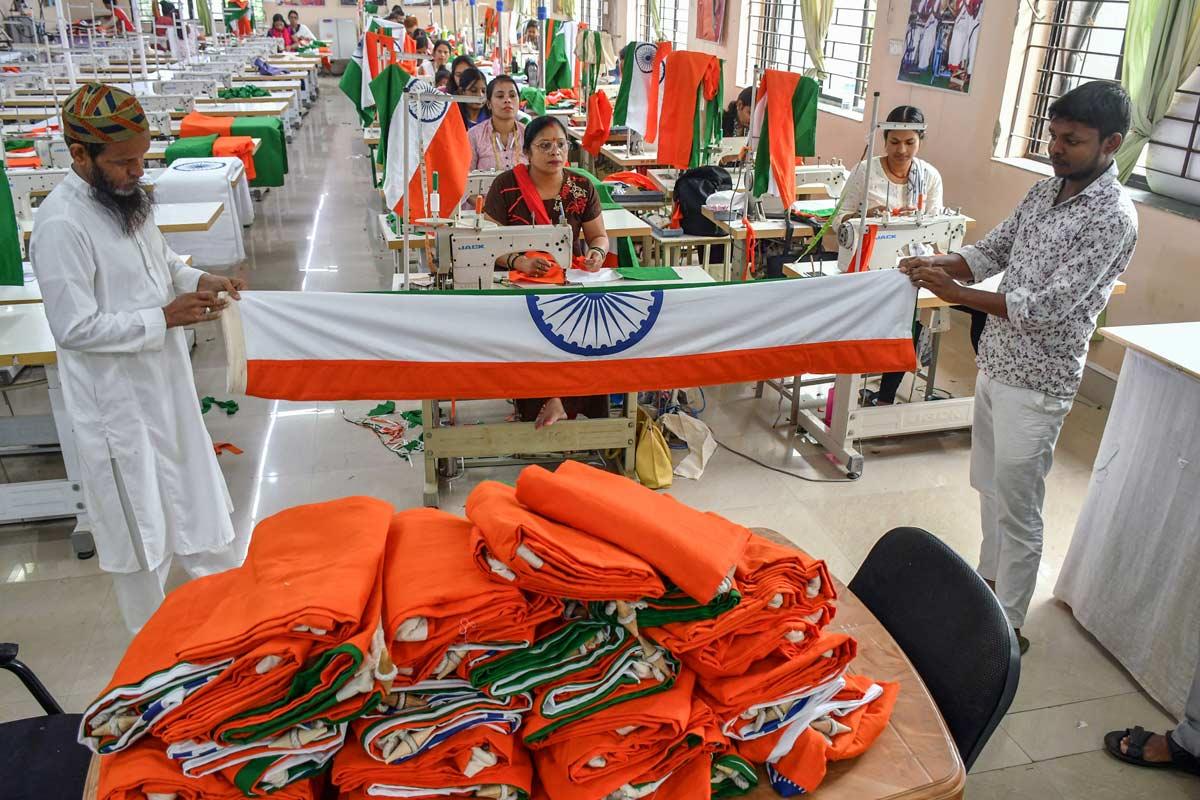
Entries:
{"x":436,"y":137}
{"x":556,"y":342}
{"x":560,"y":55}
{"x":785,"y":125}
{"x":376,"y":49}
{"x":643,"y":75}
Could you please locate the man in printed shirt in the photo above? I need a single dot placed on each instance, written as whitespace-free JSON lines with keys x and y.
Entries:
{"x":1061,"y":252}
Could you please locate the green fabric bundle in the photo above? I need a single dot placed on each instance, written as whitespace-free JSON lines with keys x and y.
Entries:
{"x":17,"y":144}
{"x":270,"y":162}
{"x":190,"y":147}
{"x":12,"y":272}
{"x":536,"y":99}
{"x":248,"y":91}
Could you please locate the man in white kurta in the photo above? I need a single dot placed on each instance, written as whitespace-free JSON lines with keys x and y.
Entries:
{"x":117,"y":298}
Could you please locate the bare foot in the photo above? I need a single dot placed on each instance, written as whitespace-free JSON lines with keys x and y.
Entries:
{"x":552,"y":411}
{"x":1156,"y":748}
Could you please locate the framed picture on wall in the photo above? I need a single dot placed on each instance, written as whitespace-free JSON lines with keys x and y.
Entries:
{"x":710,"y":20}
{"x":303,"y":2}
{"x":939,"y":47}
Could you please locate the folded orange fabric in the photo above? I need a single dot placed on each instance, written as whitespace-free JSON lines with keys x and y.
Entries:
{"x":847,"y":726}
{"x":539,"y":555}
{"x":692,"y":781}
{"x":150,"y":682}
{"x":479,"y":756}
{"x":197,"y":124}
{"x":309,"y":573}
{"x":638,"y":742}
{"x":144,"y":770}
{"x":754,"y":638}
{"x":436,"y":598}
{"x":790,"y":670}
{"x":697,"y":551}
{"x":784,"y":577}
{"x":262,"y":675}
{"x":241,"y":147}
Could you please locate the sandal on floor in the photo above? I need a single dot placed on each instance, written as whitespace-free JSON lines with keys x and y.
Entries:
{"x":1138,"y":736}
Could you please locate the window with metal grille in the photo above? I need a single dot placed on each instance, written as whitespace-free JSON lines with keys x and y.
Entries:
{"x":187,"y":10}
{"x":663,"y":20}
{"x":594,"y":13}
{"x":1070,"y":42}
{"x":776,"y":41}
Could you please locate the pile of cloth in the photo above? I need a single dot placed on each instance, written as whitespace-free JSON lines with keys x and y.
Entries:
{"x":246,"y":92}
{"x":575,"y":637}
{"x":204,"y":136}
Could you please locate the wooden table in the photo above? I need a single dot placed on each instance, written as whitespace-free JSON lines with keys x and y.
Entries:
{"x":241,"y":109}
{"x":913,"y":759}
{"x":1176,"y":344}
{"x":620,"y":222}
{"x":171,"y":217}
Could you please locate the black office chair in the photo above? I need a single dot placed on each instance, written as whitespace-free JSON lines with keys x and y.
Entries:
{"x":40,"y":757}
{"x":951,"y":627}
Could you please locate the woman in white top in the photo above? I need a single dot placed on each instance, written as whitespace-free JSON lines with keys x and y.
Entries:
{"x":441,"y":57}
{"x":901,"y":183}
{"x":302,"y":35}
{"x":897,"y":180}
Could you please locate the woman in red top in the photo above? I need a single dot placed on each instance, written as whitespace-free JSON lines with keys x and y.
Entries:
{"x":120,"y":19}
{"x":279,"y":30}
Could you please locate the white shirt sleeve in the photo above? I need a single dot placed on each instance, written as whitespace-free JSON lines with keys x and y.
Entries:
{"x":66,"y":273}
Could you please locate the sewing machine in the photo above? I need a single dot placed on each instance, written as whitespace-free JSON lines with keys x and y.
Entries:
{"x":899,"y":237}
{"x":833,"y":176}
{"x":470,"y":253}
{"x":192,"y":87}
{"x":478,"y":183}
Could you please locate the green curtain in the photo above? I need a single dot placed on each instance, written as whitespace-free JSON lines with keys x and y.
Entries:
{"x":815,"y":16}
{"x":1162,"y":47}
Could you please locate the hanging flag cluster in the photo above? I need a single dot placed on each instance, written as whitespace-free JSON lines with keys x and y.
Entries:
{"x":376,"y":49}
{"x":690,"y":119}
{"x":643,"y":76}
{"x":560,"y":54}
{"x":435,"y":138}
{"x":785,"y":125}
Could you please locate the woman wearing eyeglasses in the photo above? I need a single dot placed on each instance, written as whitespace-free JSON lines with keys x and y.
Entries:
{"x":543,"y":192}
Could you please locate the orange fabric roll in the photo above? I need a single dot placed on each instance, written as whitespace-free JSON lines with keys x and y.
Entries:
{"x":569,"y":563}
{"x":758,"y":634}
{"x":790,"y":669}
{"x":784,"y":577}
{"x":697,"y":551}
{"x":197,"y":124}
{"x":435,"y":597}
{"x":668,"y":730}
{"x":309,"y":573}
{"x":444,"y":767}
{"x":241,"y":147}
{"x":144,"y":769}
{"x":806,"y":763}
{"x":240,"y":687}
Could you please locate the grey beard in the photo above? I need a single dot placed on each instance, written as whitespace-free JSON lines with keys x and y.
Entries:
{"x":131,"y":209}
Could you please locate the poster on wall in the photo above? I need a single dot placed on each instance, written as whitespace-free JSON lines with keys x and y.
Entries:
{"x":710,"y":20}
{"x":939,"y":47}
{"x":301,"y":2}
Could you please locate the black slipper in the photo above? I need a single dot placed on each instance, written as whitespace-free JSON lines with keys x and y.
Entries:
{"x":1138,"y":736}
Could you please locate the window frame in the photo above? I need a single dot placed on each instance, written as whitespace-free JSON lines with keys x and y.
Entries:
{"x":671,"y":31}
{"x":768,"y":35}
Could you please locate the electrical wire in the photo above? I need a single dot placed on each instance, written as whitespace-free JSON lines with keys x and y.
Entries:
{"x":789,"y":473}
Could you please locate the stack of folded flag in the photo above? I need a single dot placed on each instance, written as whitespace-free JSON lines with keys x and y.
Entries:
{"x":577,"y":637}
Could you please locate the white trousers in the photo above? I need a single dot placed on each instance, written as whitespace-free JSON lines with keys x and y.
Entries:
{"x":1012,"y":447}
{"x":139,"y":594}
{"x":1187,"y":735}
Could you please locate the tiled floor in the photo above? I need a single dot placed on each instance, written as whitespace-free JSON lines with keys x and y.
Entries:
{"x":312,"y":235}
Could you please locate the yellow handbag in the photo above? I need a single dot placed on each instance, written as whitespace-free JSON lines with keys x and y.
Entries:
{"x":652,"y":458}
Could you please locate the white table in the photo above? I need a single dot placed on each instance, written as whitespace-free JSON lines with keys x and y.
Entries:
{"x":241,"y":109}
{"x":1130,"y":575}
{"x":170,"y":217}
{"x":26,"y":340}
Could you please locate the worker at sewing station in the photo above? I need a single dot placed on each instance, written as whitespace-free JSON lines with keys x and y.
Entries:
{"x":472,"y":83}
{"x":543,"y":192}
{"x":441,"y":57}
{"x":899,"y":183}
{"x":497,"y":142}
{"x":117,"y":300}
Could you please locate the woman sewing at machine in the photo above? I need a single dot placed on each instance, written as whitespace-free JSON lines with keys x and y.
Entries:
{"x":496,"y":143}
{"x":472,"y":83}
{"x":542,"y":192}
